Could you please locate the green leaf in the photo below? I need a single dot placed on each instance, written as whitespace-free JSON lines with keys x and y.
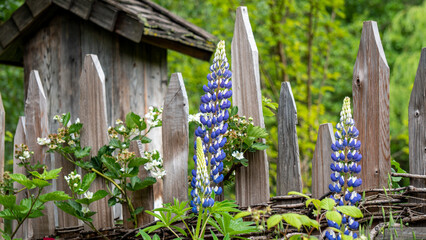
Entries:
{"x":306,"y":221}
{"x":112,"y":201}
{"x":57,"y":195}
{"x":138,"y":210}
{"x":256,"y":132}
{"x":35,"y":214}
{"x":7,"y":214}
{"x":347,"y":237}
{"x":66,"y":119}
{"x":81,"y":153}
{"x":133,"y":120}
{"x":112,"y":165}
{"x":35,"y":174}
{"x":327,"y":204}
{"x":242,"y":214}
{"x":314,"y":201}
{"x":115,"y":143}
{"x":259,"y":146}
{"x":137,"y":161}
{"x":143,"y":234}
{"x":334,"y":216}
{"x":40,"y":183}
{"x":75,"y":128}
{"x":234,"y":111}
{"x":52,"y":174}
{"x":98,"y":195}
{"x":292,"y":219}
{"x":144,"y":140}
{"x":138,"y":184}
{"x":350,"y":211}
{"x":22,"y":179}
{"x":298,"y":194}
{"x":8,"y":201}
{"x":87,"y":180}
{"x":274,"y":220}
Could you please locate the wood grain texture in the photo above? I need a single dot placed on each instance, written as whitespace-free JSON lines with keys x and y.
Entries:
{"x":36,"y":125}
{"x":321,"y":160}
{"x":417,"y":125}
{"x":289,"y":177}
{"x":82,"y":8}
{"x":65,"y":4}
{"x":8,"y":32}
{"x":129,"y":27}
{"x":252,"y":182}
{"x":93,"y":115}
{"x":142,"y":198}
{"x":175,"y":141}
{"x":370,"y":88}
{"x":103,"y":15}
{"x":38,"y":6}
{"x":2,"y":159}
{"x":26,"y":231}
{"x":22,"y":17}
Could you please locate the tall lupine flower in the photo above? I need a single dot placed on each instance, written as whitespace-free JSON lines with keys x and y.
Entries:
{"x":214,"y":115}
{"x":345,"y":166}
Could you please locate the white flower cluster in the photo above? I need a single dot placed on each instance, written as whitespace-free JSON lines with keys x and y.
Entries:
{"x":152,"y":117}
{"x":195,"y":118}
{"x":154,"y":164}
{"x":25,"y":155}
{"x":73,"y":179}
{"x":43,"y":141}
{"x":238,"y":155}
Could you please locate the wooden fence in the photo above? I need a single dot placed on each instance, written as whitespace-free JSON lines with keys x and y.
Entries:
{"x":371,"y":113}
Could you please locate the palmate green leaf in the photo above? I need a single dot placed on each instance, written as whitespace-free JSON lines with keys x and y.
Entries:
{"x":327,"y":204}
{"x":256,"y":132}
{"x":234,"y":111}
{"x":350,"y":211}
{"x":242,"y":214}
{"x":334,"y":216}
{"x":259,"y":146}
{"x":40,"y":183}
{"x":22,"y":179}
{"x":274,"y":220}
{"x":54,"y":196}
{"x":7,"y":214}
{"x":292,"y":219}
{"x":143,"y":234}
{"x":81,"y":153}
{"x":226,"y":206}
{"x":8,"y":201}
{"x":75,"y":128}
{"x":52,"y":174}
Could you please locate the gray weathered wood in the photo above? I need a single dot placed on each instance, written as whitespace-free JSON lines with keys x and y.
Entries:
{"x":26,"y":231}
{"x":38,"y":6}
{"x":142,"y":198}
{"x":321,"y":160}
{"x":82,"y":8}
{"x":65,"y":4}
{"x":8,"y":32}
{"x":93,"y":115}
{"x":417,"y":124}
{"x":175,"y":140}
{"x":252,"y":182}
{"x":2,"y":160}
{"x":104,"y":15}
{"x":289,"y":177}
{"x":36,"y":125}
{"x":370,"y":88}
{"x":22,"y":17}
{"x":129,"y":27}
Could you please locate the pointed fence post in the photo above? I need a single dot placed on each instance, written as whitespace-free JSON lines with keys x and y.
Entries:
{"x":252,"y":182}
{"x":175,"y":140}
{"x":37,"y":125}
{"x":93,"y":115}
{"x":2,"y":161}
{"x":370,"y":88}
{"x":322,"y":159}
{"x":26,"y":230}
{"x":142,"y":198}
{"x":417,"y":125}
{"x":288,"y":165}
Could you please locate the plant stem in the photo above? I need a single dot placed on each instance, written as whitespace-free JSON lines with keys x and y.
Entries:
{"x":28,"y":214}
{"x":205,"y":224}
{"x":95,"y":229}
{"x":186,"y":225}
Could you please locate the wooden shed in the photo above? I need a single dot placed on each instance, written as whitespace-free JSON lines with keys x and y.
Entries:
{"x":130,"y":38}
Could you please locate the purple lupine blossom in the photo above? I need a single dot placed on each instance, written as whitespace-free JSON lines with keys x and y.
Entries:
{"x":214,"y":115}
{"x":345,"y":167}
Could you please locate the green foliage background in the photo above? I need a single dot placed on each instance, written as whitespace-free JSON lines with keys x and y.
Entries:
{"x":311,"y":43}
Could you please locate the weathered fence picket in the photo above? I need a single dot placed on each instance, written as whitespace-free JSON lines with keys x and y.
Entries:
{"x":252,"y":182}
{"x":175,"y":140}
{"x":93,"y":115}
{"x":2,"y":161}
{"x":26,"y":231}
{"x":289,"y":177}
{"x":321,"y":160}
{"x":417,"y":124}
{"x":36,"y":125}
{"x":370,"y":88}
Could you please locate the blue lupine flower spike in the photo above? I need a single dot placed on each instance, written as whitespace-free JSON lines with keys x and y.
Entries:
{"x":214,"y":115}
{"x":345,"y":166}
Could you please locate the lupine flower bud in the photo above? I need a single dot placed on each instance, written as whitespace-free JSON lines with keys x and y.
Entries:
{"x":345,"y":165}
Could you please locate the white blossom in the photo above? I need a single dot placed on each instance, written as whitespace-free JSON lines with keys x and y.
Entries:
{"x":43,"y":141}
{"x":88,"y":195}
{"x":238,"y":155}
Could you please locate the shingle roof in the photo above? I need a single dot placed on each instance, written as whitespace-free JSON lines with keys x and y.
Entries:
{"x":136,"y":20}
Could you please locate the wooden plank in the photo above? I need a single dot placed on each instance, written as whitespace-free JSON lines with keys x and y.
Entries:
{"x":8,"y":32}
{"x":142,"y":198}
{"x":22,"y":17}
{"x":82,"y":8}
{"x":252,"y":182}
{"x":93,"y":115}
{"x":321,"y":160}
{"x":417,"y":125}
{"x":175,"y":140}
{"x":370,"y":88}
{"x":129,"y":27}
{"x":65,"y":4}
{"x":103,"y":15}
{"x":26,"y":230}
{"x":36,"y":125}
{"x":38,"y":6}
{"x":2,"y":160}
{"x":289,"y":177}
